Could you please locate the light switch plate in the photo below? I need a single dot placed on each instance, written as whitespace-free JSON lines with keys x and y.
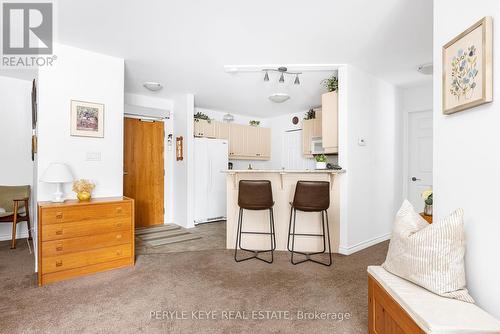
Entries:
{"x":361,"y":141}
{"x":93,"y":156}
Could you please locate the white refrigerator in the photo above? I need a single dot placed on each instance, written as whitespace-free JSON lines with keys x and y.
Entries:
{"x":210,"y":159}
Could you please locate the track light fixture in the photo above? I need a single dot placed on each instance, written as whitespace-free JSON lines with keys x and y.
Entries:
{"x":282,"y":71}
{"x":266,"y":76}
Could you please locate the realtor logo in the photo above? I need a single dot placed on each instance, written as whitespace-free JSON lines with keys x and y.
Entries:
{"x":27,"y":28}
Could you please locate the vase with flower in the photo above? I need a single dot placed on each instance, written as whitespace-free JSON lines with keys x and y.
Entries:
{"x":427,"y":197}
{"x":83,"y":189}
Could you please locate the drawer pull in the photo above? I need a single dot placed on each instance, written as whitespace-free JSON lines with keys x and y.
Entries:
{"x":118,"y":236}
{"x":119,"y":225}
{"x":59,"y":248}
{"x":59,"y":215}
{"x":59,"y":263}
{"x":119,"y":209}
{"x":59,"y":232}
{"x":119,"y":253}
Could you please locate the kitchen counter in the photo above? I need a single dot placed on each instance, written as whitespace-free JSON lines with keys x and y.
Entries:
{"x":286,"y":171}
{"x":283,"y":185}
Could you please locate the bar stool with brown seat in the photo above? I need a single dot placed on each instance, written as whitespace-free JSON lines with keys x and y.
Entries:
{"x":255,"y":195}
{"x":310,"y":196}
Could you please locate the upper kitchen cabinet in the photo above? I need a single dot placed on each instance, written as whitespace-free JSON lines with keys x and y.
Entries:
{"x":237,"y":140}
{"x":245,"y":142}
{"x":203,"y":128}
{"x":311,"y":128}
{"x":330,"y":123}
{"x":222,"y":130}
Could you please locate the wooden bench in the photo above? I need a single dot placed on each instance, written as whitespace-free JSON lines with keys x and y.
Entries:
{"x":397,"y":306}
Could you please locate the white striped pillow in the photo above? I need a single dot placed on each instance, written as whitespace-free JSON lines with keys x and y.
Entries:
{"x":431,"y":256}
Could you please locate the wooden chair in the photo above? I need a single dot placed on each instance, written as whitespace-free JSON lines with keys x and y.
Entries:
{"x":15,"y":201}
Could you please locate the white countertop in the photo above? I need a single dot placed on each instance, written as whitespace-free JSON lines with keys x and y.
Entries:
{"x":285,"y":171}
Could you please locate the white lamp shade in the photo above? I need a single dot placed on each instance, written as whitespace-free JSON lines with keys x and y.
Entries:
{"x":57,"y":173}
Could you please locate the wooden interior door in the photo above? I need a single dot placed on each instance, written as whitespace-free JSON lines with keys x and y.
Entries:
{"x":143,"y":175}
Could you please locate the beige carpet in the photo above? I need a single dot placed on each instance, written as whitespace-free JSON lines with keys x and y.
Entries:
{"x":121,"y":301}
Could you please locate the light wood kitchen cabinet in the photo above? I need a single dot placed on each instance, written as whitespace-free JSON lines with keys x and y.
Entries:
{"x":252,"y":141}
{"x":237,"y":140}
{"x":222,"y":130}
{"x":203,"y":128}
{"x":311,"y":128}
{"x":245,"y":142}
{"x":264,"y":143}
{"x":307,"y":134}
{"x":330,"y":122}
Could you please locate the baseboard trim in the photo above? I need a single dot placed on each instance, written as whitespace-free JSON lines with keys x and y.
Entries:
{"x":364,"y":244}
{"x":8,"y":236}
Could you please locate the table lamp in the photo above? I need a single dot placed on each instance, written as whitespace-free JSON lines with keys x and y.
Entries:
{"x":57,"y":173}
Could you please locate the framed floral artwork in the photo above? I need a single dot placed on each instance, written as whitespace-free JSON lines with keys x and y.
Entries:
{"x":467,"y":68}
{"x":87,"y":119}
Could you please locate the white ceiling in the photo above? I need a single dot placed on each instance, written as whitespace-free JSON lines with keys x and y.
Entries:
{"x":185,"y":44}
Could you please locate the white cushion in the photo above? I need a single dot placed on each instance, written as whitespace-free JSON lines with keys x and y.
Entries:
{"x":432,"y":313}
{"x":431,"y":256}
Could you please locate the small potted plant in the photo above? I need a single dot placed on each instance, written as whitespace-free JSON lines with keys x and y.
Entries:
{"x":320,"y":161}
{"x":427,"y":197}
{"x":199,"y":115}
{"x":83,"y":189}
{"x":331,"y":84}
{"x":254,"y":123}
{"x":310,"y":114}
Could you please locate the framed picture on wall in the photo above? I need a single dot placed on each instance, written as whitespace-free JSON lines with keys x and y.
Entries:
{"x":87,"y":119}
{"x":467,"y":68}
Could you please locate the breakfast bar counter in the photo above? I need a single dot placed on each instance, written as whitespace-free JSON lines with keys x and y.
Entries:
{"x":283,"y":187}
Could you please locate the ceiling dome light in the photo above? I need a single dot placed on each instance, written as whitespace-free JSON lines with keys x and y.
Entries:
{"x":282,"y":78}
{"x":266,"y":77}
{"x":297,"y":81}
{"x":279,"y":97}
{"x":228,"y":118}
{"x":152,"y":86}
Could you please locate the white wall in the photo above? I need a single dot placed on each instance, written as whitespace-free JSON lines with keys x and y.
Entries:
{"x":467,"y":158}
{"x":81,"y":75}
{"x":16,"y":167}
{"x":417,"y":98}
{"x":183,"y":112}
{"x":371,"y":190}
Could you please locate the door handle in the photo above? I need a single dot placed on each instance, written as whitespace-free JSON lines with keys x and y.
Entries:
{"x":125,"y":173}
{"x":415,"y":179}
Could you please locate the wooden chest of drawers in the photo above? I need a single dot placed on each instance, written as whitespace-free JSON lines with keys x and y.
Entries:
{"x":80,"y":238}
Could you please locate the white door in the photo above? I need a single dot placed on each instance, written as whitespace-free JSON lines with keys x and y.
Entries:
{"x":419,"y":156}
{"x":292,"y":152}
{"x":216,"y":196}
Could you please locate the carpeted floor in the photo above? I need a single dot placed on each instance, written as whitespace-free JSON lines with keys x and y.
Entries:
{"x":121,"y":301}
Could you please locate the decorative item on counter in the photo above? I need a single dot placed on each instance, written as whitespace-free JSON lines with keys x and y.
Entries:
{"x":254,"y":123}
{"x":427,"y":197}
{"x":333,"y":166}
{"x":310,"y":114}
{"x":320,"y":161}
{"x":229,"y":165}
{"x":83,"y":189}
{"x":250,"y":167}
{"x":332,"y":83}
{"x":199,"y":115}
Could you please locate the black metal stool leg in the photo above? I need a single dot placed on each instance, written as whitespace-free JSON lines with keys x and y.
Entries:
{"x":324,"y":237}
{"x":271,"y":233}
